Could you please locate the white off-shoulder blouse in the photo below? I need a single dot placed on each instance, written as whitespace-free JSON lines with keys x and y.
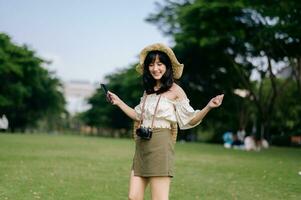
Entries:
{"x":168,"y":112}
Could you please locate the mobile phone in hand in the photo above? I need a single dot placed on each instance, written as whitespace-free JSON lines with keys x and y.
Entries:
{"x":105,"y":90}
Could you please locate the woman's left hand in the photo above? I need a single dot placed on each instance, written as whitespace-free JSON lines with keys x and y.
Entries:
{"x":216,"y":101}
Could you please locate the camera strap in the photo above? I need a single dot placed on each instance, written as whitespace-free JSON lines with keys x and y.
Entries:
{"x":142,"y":112}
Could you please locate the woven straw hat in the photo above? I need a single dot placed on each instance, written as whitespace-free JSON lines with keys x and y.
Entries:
{"x":176,"y":66}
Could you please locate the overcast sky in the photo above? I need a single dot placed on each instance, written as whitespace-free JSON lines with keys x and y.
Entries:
{"x":85,"y":40}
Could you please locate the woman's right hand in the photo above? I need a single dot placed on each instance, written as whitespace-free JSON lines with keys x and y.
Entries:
{"x":113,"y":98}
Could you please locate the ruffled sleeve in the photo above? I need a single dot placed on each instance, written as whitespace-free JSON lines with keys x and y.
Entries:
{"x":138,"y":109}
{"x":185,"y":113}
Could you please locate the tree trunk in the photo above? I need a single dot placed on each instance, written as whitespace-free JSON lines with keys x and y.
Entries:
{"x":298,"y":75}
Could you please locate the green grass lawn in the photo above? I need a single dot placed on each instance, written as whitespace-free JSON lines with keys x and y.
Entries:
{"x":77,"y":167}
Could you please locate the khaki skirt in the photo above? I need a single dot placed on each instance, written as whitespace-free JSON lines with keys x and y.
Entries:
{"x":155,"y":157}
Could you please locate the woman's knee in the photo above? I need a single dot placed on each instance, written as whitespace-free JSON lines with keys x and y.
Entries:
{"x":137,"y":187}
{"x":135,"y":197}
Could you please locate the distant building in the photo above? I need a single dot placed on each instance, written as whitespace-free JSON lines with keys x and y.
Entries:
{"x":76,"y":94}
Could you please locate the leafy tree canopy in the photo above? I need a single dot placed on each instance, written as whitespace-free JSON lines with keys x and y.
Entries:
{"x":28,"y":91}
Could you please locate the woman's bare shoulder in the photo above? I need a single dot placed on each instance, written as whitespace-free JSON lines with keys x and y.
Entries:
{"x":178,"y":91}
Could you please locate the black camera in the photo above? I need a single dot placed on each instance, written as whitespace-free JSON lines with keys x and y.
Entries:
{"x":144,"y":133}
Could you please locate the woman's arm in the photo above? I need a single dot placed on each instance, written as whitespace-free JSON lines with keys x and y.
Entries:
{"x":213,"y":103}
{"x":115,"y":100}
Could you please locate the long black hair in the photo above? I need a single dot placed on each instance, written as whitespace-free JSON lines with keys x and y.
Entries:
{"x":166,"y":80}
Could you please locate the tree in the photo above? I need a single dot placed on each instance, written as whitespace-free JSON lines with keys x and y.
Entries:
{"x":127,"y":85}
{"x":28,"y":92}
{"x":206,"y":45}
{"x":223,"y":43}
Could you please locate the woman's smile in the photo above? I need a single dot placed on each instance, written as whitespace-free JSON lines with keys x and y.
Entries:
{"x":157,"y":69}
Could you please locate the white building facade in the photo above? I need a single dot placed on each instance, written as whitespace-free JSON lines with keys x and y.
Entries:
{"x":76,"y":94}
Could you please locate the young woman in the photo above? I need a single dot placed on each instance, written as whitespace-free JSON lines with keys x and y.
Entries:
{"x":163,"y":104}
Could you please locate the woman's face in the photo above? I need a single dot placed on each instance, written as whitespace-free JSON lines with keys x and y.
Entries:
{"x":157,"y":69}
